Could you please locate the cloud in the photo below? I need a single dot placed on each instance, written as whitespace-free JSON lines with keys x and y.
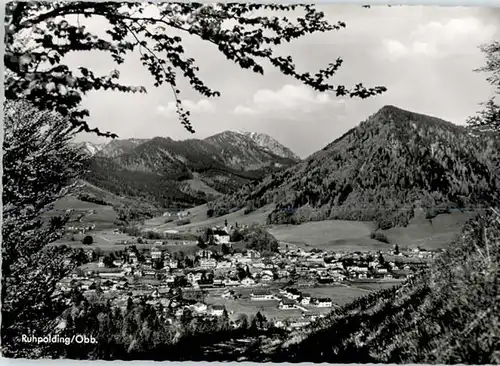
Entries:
{"x":395,"y":48}
{"x":289,"y":98}
{"x":243,"y":110}
{"x":438,"y":39}
{"x":202,"y":106}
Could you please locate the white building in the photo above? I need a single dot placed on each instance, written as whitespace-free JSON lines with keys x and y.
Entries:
{"x":224,"y":265}
{"x":305,"y":299}
{"x":208,"y":263}
{"x":286,"y":304}
{"x":248,"y":281}
{"x":322,"y":303}
{"x":156,"y":254}
{"x":262,"y":296}
{"x":217,"y":310}
{"x":221,"y":236}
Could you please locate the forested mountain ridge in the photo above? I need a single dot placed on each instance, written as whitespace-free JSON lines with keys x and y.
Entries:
{"x":182,"y":173}
{"x":391,"y":164}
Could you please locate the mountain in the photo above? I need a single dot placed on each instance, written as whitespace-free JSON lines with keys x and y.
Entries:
{"x":89,"y":148}
{"x":269,"y":144}
{"x":250,"y":151}
{"x":392,"y":166}
{"x":182,"y":173}
{"x":119,"y":147}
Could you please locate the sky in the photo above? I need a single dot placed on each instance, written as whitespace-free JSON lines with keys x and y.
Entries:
{"x":425,"y":56}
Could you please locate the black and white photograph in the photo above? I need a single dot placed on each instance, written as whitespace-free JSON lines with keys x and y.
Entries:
{"x":258,"y":182}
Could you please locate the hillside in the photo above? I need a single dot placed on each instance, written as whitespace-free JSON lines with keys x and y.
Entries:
{"x":184,"y":173}
{"x":447,"y":314}
{"x":390,"y":166}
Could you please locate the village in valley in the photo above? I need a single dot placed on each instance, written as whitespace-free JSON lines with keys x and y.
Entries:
{"x":217,"y":273}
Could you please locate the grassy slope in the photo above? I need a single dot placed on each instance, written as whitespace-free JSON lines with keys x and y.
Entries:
{"x":200,"y":220}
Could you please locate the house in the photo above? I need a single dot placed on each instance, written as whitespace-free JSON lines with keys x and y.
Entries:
{"x":299,"y":324}
{"x":208,"y":263}
{"x":132,"y":257}
{"x":292,"y":294}
{"x":224,"y":265}
{"x":283,"y":273}
{"x":217,"y":310}
{"x":244,"y":260}
{"x":227,"y":295}
{"x":253,"y":254}
{"x":156,"y":254}
{"x":118,"y":262}
{"x":261,"y":296}
{"x":286,"y":304}
{"x":111,"y":274}
{"x":193,"y":277}
{"x":169,"y":279}
{"x":322,"y":302}
{"x":248,"y":281}
{"x":305,"y":299}
{"x":179,"y":312}
{"x":90,"y":254}
{"x":266,"y":278}
{"x":218,"y":282}
{"x":220,"y":236}
{"x":338,"y":277}
{"x":266,"y":272}
{"x":204,"y":253}
{"x":199,"y":307}
{"x":231,"y":282}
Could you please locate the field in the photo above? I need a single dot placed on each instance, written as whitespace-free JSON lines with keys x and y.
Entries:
{"x":375,"y":285}
{"x":429,"y":234}
{"x":340,"y":295}
{"x":340,"y":235}
{"x":200,"y":220}
{"x":106,"y":241}
{"x":102,"y":216}
{"x":332,"y":235}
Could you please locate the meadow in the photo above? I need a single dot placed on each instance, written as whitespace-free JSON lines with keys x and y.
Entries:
{"x":108,"y":241}
{"x":199,"y":220}
{"x":340,"y":295}
{"x":433,"y":233}
{"x":329,"y":235}
{"x":102,"y":216}
{"x":340,"y":235}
